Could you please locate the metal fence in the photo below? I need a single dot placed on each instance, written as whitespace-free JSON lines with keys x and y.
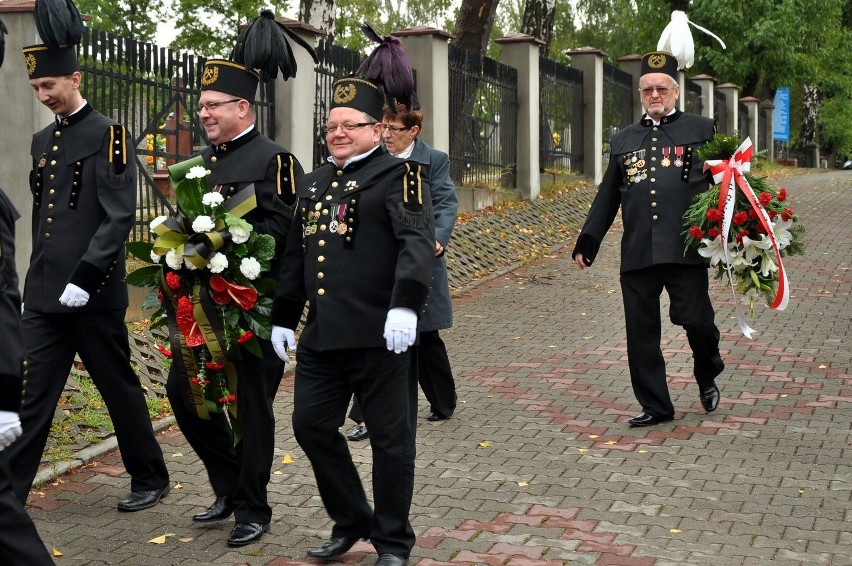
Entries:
{"x":743,"y":120}
{"x":483,"y":119}
{"x":720,"y":111}
{"x":561,"y":119}
{"x":618,"y":104}
{"x":153,"y":92}
{"x":334,"y":62}
{"x":693,"y":98}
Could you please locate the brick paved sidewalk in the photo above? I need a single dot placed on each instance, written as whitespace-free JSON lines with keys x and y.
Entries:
{"x":538,"y":466}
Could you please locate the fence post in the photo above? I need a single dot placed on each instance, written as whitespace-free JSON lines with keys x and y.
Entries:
{"x":707,"y":83}
{"x":294,"y":99}
{"x":633,"y":64}
{"x":751,"y":129}
{"x":732,"y":100}
{"x":521,"y":51}
{"x":21,"y":115}
{"x":428,"y":52}
{"x":590,"y":61}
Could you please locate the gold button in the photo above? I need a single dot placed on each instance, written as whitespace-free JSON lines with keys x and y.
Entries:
{"x":653,"y":169}
{"x":655,"y":128}
{"x":55,"y":147}
{"x":321,"y":243}
{"x":325,"y":212}
{"x":339,"y":173}
{"x":318,"y":206}
{"x":53,"y":162}
{"x":47,"y":235}
{"x":653,"y":205}
{"x":322,"y":228}
{"x":653,"y":180}
{"x":653,"y":159}
{"x":49,"y":220}
{"x":52,"y":177}
{"x":320,"y":291}
{"x":50,"y":206}
{"x":654,"y":217}
{"x":334,"y":184}
{"x":320,"y":275}
{"x":653,"y":191}
{"x":327,"y":197}
{"x":321,"y":258}
{"x":57,"y":134}
{"x":653,"y":148}
{"x":214,"y":159}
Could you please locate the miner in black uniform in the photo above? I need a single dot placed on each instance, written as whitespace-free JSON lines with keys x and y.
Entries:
{"x":653,"y":175}
{"x":360,"y":252}
{"x":19,"y":540}
{"x":83,"y":183}
{"x":241,"y":158}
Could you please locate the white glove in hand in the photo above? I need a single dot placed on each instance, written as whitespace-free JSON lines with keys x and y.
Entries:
{"x":74,"y":296}
{"x":283,"y":338}
{"x":400,"y":329}
{"x":10,"y":428}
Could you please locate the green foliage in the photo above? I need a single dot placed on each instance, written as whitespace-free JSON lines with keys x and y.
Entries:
{"x":386,"y":17}
{"x":137,"y":19}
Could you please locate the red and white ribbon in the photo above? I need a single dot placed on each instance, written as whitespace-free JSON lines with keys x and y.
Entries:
{"x":730,"y":174}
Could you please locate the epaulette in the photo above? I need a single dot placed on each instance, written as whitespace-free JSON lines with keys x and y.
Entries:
{"x":286,"y":181}
{"x":117,"y":148}
{"x":411,"y":210}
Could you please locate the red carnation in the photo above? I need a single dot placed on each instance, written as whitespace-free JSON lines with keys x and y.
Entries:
{"x":214,"y":366}
{"x":740,"y":218}
{"x":752,"y":213}
{"x":782,"y":194}
{"x":712,"y":233}
{"x":696,"y":232}
{"x":245,"y":337}
{"x":772,"y":214}
{"x":787,"y":214}
{"x":173,"y":281}
{"x":165,"y":351}
{"x":741,"y":235}
{"x":765,"y":198}
{"x":714,"y":215}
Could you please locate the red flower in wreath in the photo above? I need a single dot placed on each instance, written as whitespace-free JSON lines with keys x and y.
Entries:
{"x":696,"y":232}
{"x":173,"y":281}
{"x":165,"y":351}
{"x":782,"y":194}
{"x":740,"y":218}
{"x":186,"y":323}
{"x":765,"y":198}
{"x":245,"y":337}
{"x":714,"y":215}
{"x":223,"y":293}
{"x":214,"y":366}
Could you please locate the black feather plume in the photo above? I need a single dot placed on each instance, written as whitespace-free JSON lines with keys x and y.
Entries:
{"x":388,"y":66}
{"x":58,"y":22}
{"x":263,"y":46}
{"x":3,"y":32}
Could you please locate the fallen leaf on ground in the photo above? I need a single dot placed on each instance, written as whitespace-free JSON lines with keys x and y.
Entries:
{"x":287,"y":459}
{"x":484,"y":444}
{"x":675,"y":531}
{"x":55,"y":552}
{"x":522,"y":484}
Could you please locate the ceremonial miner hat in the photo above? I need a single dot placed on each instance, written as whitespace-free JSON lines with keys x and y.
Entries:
{"x":659,"y":62}
{"x":60,"y":27}
{"x":261,"y":50}
{"x":385,"y":78}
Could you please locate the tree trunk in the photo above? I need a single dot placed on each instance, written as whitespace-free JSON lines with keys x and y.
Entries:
{"x":473,"y":24}
{"x":537,"y":21}
{"x":318,"y":13}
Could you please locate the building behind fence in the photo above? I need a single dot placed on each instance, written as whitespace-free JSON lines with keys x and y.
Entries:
{"x":503,"y":123}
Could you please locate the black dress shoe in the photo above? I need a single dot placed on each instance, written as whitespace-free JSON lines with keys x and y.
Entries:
{"x":245,"y":533}
{"x":645,"y":419}
{"x":710,"y":398}
{"x":334,"y":548}
{"x":433,"y":417}
{"x":138,"y":500}
{"x":391,"y":560}
{"x":222,"y":508}
{"x":357,"y":432}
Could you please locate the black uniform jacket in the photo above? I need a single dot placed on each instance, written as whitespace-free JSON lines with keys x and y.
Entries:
{"x":255,"y":159}
{"x":84,"y":204}
{"x":362,"y":242}
{"x":653,"y":174}
{"x":12,"y":353}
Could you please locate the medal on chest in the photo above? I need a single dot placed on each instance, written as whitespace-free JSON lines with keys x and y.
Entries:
{"x":678,"y":156}
{"x":665,"y":161}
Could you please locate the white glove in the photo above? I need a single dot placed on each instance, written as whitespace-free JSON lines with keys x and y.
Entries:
{"x":400,"y":329}
{"x":10,"y":428}
{"x":74,"y":296}
{"x":283,"y":338}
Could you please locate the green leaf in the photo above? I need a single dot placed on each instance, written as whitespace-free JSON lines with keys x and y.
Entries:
{"x":140,"y":250}
{"x":148,"y":276}
{"x":253,"y":346}
{"x":152,"y":300}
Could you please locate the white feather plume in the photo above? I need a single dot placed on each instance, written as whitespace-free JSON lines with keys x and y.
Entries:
{"x":677,"y":39}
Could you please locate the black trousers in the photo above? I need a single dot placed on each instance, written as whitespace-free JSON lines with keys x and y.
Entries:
{"x":433,"y":373}
{"x":385,"y":385}
{"x":690,"y":307}
{"x":20,"y":544}
{"x":101,"y":340}
{"x":240,"y":472}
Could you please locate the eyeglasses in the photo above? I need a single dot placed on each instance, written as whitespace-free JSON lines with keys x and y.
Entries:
{"x":348,"y":126}
{"x":662,"y":91}
{"x":394,"y":129}
{"x":211,"y":106}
